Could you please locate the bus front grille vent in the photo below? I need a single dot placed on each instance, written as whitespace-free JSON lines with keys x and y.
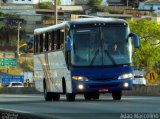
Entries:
{"x":103,"y":79}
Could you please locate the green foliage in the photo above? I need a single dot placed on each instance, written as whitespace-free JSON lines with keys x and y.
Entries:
{"x":1,"y":14}
{"x":9,"y":28}
{"x":148,"y":54}
{"x":58,"y":2}
{"x":95,"y":2}
{"x":11,"y":16}
{"x":27,"y":66}
{"x":45,"y":5}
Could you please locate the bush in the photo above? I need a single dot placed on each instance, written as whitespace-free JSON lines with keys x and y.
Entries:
{"x":27,"y":66}
{"x":45,"y":5}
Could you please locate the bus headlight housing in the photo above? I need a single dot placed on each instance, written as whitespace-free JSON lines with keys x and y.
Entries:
{"x":80,"y":78}
{"x":125,"y":76}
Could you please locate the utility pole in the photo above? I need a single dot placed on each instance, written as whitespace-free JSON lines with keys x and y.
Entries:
{"x":18,"y":38}
{"x":127,"y":3}
{"x":55,"y":11}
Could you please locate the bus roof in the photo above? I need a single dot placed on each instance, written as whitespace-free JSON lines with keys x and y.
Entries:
{"x":78,"y":21}
{"x":96,"y":20}
{"x":49,"y":28}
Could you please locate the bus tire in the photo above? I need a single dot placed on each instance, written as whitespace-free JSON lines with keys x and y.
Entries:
{"x":70,"y":97}
{"x":47,"y":95}
{"x":117,"y":95}
{"x":55,"y":96}
{"x":95,"y":96}
{"x":87,"y":96}
{"x":64,"y":85}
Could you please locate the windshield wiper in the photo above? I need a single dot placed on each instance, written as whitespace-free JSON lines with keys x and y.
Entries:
{"x":95,"y":55}
{"x":110,"y":57}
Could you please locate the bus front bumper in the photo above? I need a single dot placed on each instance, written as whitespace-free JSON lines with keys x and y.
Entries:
{"x":102,"y":87}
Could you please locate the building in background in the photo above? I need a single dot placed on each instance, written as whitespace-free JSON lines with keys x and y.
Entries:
{"x":150,"y":5}
{"x":63,"y":2}
{"x":68,"y":2}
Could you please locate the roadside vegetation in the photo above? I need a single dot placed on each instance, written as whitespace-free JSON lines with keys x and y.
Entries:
{"x":8,"y":42}
{"x":47,"y":5}
{"x":148,"y":55}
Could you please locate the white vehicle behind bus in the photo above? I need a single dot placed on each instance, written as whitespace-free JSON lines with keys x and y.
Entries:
{"x":16,"y":84}
{"x":139,"y":80}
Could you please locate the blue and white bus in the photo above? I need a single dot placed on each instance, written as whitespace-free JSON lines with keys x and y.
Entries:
{"x":86,"y":56}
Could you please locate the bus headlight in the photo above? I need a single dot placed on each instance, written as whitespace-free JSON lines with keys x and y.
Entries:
{"x":80,"y":87}
{"x":80,"y":78}
{"x":126,"y":85}
{"x":125,"y":76}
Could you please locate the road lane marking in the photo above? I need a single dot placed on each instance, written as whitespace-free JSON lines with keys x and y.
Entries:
{"x":34,"y":114}
{"x":13,"y":110}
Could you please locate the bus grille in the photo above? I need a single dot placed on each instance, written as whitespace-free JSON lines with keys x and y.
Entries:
{"x":104,"y":86}
{"x":103,"y":79}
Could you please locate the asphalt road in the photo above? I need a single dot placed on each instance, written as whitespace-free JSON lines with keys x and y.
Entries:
{"x":34,"y":107}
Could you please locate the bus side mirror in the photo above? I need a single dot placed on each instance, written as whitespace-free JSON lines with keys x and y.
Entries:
{"x":136,"y":39}
{"x":68,"y":44}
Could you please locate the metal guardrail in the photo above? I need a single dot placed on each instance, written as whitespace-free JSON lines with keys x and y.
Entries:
{"x":141,"y":90}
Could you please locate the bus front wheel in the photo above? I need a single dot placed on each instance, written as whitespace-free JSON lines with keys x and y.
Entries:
{"x":70,"y":97}
{"x":87,"y":96}
{"x":95,"y":96}
{"x":117,"y":95}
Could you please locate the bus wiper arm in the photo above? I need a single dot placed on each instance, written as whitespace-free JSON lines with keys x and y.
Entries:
{"x":110,"y":57}
{"x":95,"y":55}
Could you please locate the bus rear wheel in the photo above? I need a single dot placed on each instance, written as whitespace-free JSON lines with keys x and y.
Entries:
{"x":47,"y":95}
{"x":55,"y":96}
{"x":70,"y":97}
{"x":117,"y":95}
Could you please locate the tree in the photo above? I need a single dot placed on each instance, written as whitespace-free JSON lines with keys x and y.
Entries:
{"x":45,"y":5}
{"x":9,"y":27}
{"x":58,"y":2}
{"x":148,"y":54}
{"x":48,"y":5}
{"x":95,"y":3}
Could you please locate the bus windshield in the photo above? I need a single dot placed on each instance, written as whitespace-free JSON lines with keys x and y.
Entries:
{"x":101,"y":46}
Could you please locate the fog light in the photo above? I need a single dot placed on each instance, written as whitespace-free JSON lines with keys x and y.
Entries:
{"x":125,"y":85}
{"x":80,"y":86}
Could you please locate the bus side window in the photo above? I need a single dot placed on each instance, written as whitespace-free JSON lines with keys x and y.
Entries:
{"x":46,"y":41}
{"x":50,"y":40}
{"x":36,"y":39}
{"x":62,"y":39}
{"x":58,"y":39}
{"x":41,"y":43}
{"x":55,"y":46}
